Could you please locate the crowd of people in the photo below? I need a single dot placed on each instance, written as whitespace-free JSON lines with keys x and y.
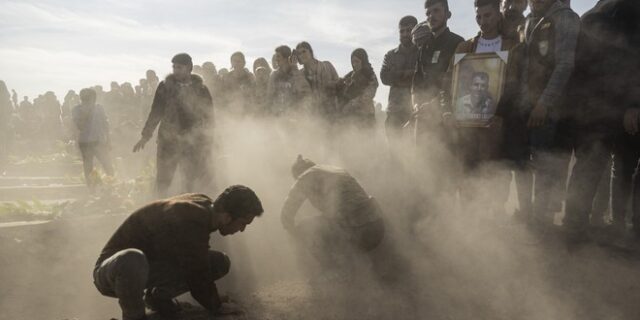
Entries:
{"x":570,"y":92}
{"x":563,"y":95}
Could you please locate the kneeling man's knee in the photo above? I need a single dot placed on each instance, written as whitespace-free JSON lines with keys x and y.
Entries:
{"x":220,"y":263}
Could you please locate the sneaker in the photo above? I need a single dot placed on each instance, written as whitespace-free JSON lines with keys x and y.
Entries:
{"x":163,"y":306}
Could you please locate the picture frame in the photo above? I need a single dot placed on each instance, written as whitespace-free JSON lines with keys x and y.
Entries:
{"x":478,"y":84}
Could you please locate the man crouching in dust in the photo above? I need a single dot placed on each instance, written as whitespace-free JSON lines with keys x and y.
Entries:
{"x":162,"y":251}
{"x":351,"y":219}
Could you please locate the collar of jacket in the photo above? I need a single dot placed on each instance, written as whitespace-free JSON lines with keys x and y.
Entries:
{"x":555,"y":8}
{"x":171,"y":80}
{"x":507,"y":42}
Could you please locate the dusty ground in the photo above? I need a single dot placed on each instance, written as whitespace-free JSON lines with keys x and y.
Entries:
{"x":496,"y":273}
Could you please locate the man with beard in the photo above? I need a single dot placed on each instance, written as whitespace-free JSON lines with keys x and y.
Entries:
{"x":513,"y":13}
{"x":238,"y":86}
{"x":433,"y":140}
{"x":397,"y":72}
{"x":162,"y":251}
{"x":183,"y":108}
{"x":551,"y":36}
{"x":287,"y":89}
{"x":479,"y":148}
{"x":606,"y":88}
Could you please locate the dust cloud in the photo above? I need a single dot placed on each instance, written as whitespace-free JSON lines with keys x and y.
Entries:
{"x":449,"y":256}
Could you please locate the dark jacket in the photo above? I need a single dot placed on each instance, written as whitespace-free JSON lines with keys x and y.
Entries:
{"x":238,"y":86}
{"x":174,"y":231}
{"x":432,"y":65}
{"x":396,"y":63}
{"x":184,"y":111}
{"x":355,"y":95}
{"x":476,"y":145}
{"x":606,"y":74}
{"x":551,"y":42}
{"x":92,"y":123}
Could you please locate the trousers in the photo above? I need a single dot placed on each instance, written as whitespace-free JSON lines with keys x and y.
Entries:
{"x":127,"y":273}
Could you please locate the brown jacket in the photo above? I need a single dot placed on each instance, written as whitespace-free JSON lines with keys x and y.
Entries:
{"x":174,"y":231}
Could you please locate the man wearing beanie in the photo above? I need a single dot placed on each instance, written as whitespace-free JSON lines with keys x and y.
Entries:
{"x":397,"y":71}
{"x":162,"y":251}
{"x":183,"y":108}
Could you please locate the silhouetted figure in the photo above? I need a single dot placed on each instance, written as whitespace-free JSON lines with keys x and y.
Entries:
{"x":397,"y":72}
{"x":288,"y":91}
{"x":551,"y":36}
{"x":514,"y":20}
{"x":239,"y":86}
{"x":6,"y":112}
{"x":356,"y":92}
{"x":93,"y":134}
{"x":183,"y":108}
{"x":52,"y":115}
{"x":14,"y":98}
{"x":350,"y":220}
{"x":162,"y":251}
{"x":605,"y":86}
{"x":322,"y":78}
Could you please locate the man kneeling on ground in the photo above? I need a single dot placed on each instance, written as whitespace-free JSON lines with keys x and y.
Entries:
{"x":162,"y":251}
{"x":349,"y":215}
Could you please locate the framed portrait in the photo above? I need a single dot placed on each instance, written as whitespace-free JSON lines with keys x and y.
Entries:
{"x":478,"y":82}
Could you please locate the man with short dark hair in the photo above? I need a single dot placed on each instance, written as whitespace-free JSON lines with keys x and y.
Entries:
{"x":183,"y":108}
{"x":239,"y":86}
{"x":162,"y":250}
{"x":433,"y":140}
{"x":551,"y":37}
{"x":478,"y":104}
{"x":397,"y":72}
{"x":288,"y":90}
{"x":323,"y":78}
{"x":513,"y":13}
{"x":93,"y":134}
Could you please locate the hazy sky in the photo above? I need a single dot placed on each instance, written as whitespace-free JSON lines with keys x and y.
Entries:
{"x":59,"y":45}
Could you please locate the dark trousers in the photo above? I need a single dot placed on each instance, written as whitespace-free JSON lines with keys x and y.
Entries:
{"x":93,"y":150}
{"x":550,"y":157}
{"x":193,"y":161}
{"x":127,"y":274}
{"x":593,"y":154}
{"x":626,"y":155}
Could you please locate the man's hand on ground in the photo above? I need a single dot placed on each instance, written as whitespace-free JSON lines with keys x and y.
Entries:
{"x":140,"y":145}
{"x":228,"y":308}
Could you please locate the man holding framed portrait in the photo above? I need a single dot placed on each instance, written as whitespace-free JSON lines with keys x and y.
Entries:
{"x":479,"y":72}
